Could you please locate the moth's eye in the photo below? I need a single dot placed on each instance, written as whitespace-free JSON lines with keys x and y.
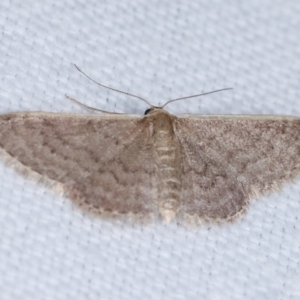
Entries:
{"x":147,"y":111}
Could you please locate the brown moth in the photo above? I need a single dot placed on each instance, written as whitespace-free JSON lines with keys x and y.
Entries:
{"x":198,"y":167}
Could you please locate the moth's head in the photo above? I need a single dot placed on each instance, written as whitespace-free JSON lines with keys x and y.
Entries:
{"x":153,"y":109}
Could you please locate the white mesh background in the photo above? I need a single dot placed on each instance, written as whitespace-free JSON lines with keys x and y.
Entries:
{"x":158,"y":50}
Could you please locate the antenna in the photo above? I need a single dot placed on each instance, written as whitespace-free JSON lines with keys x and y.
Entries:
{"x":113,"y":89}
{"x":193,"y":96}
{"x":137,"y":97}
{"x":90,"y":107}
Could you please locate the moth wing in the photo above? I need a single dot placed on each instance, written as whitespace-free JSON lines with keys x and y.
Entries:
{"x":102,"y":162}
{"x":228,"y":159}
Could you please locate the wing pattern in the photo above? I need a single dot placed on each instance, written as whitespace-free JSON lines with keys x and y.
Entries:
{"x":226,"y":160}
{"x":99,"y":160}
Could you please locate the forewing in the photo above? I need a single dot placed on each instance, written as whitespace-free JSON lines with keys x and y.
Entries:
{"x":101,"y":161}
{"x":227,"y":159}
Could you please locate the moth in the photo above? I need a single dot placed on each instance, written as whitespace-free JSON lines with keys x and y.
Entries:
{"x":194,"y":167}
